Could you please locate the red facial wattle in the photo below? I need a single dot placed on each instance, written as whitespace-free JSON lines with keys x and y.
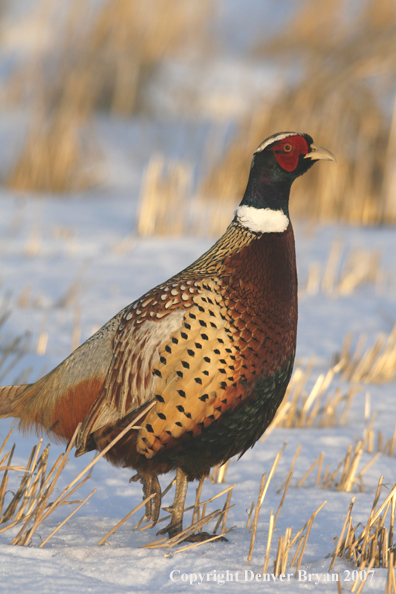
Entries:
{"x":288,"y":151}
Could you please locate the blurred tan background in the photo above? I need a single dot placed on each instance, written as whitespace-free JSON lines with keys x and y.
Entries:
{"x":242,"y":71}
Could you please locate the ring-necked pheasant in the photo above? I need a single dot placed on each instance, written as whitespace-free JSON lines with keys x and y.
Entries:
{"x":213,"y":347}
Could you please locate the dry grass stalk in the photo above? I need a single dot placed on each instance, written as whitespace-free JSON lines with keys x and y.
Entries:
{"x":269,"y":539}
{"x":25,"y":495}
{"x":197,"y":544}
{"x":140,"y":522}
{"x":318,"y":460}
{"x":66,"y":519}
{"x":344,"y":272}
{"x":338,"y":545}
{"x":42,"y":509}
{"x":222,"y":472}
{"x":42,"y":343}
{"x":348,"y":467}
{"x":165,"y":543}
{"x":289,"y":477}
{"x":283,"y":553}
{"x":121,"y":522}
{"x":35,"y":507}
{"x":262,"y":492}
{"x":54,"y":158}
{"x":286,"y":543}
{"x":368,"y":440}
{"x":101,"y":57}
{"x":339,"y":587}
{"x":3,"y":486}
{"x":346,"y":474}
{"x":376,"y":364}
{"x":219,"y":472}
{"x":253,"y":526}
{"x":390,"y":578}
{"x":363,"y":581}
{"x":163,"y":199}
{"x":330,"y":273}
{"x":278,"y":556}
{"x":224,"y":516}
{"x":291,"y":469}
{"x":271,"y":473}
{"x":11,"y":352}
{"x":3,"y":445}
{"x":302,"y":409}
{"x":250,"y":514}
{"x":373,"y":546}
{"x":304,"y":544}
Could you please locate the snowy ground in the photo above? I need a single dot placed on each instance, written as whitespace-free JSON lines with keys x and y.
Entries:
{"x":50,"y":246}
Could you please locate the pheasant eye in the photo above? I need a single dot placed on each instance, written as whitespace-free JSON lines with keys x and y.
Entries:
{"x":287,"y":148}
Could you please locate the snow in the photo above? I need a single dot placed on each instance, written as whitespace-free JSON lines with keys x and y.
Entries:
{"x":76,"y":243}
{"x":77,"y":257}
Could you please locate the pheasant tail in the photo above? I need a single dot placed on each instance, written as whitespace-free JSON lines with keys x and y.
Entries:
{"x":8,"y":395}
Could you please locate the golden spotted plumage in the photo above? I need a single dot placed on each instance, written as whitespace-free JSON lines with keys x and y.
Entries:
{"x":212,"y":348}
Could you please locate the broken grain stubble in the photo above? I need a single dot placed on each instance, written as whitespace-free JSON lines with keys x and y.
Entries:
{"x":36,"y":488}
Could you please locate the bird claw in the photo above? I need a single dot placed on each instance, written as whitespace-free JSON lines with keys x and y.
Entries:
{"x":175,"y":529}
{"x":202,"y":536}
{"x":153,"y":509}
{"x":172,"y":529}
{"x":153,"y":506}
{"x":151,"y":486}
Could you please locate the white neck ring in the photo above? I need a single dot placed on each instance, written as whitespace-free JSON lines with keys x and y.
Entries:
{"x":262,"y":220}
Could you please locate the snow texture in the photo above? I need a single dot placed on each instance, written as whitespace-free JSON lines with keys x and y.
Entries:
{"x":50,"y":246}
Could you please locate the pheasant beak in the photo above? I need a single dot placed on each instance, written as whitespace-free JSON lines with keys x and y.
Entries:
{"x":318,"y":152}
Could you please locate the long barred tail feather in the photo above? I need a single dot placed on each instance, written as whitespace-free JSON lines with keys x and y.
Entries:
{"x":7,"y":399}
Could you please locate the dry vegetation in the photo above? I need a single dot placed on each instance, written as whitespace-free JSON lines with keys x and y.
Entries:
{"x":366,"y":546}
{"x":163,"y":200}
{"x":29,"y":504}
{"x":100,"y":59}
{"x":344,"y":271}
{"x":288,"y":541}
{"x":373,"y":365}
{"x":370,"y":545}
{"x":346,"y":475}
{"x":97,"y":59}
{"x":325,"y":405}
{"x":12,"y":350}
{"x":318,"y":407}
{"x":348,"y":70}
{"x":167,"y":205}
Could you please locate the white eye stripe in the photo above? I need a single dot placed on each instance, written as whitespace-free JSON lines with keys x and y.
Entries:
{"x":275,"y":138}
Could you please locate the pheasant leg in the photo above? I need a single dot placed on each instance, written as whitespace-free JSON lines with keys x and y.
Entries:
{"x":177,"y":508}
{"x":151,"y":486}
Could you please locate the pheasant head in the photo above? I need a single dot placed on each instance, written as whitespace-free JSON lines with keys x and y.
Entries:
{"x":276,"y":163}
